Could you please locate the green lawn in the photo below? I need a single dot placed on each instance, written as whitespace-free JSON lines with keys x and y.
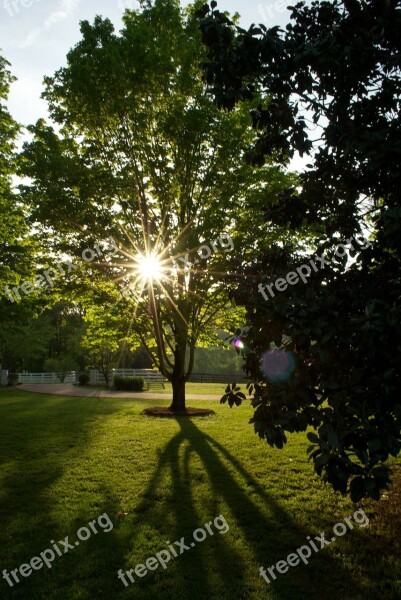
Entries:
{"x":209,"y":389}
{"x":66,"y":461}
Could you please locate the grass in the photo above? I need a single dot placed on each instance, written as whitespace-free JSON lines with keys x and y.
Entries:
{"x":66,"y":461}
{"x":207,"y":389}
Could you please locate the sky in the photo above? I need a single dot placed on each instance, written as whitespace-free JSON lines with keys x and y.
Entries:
{"x":35,"y":36}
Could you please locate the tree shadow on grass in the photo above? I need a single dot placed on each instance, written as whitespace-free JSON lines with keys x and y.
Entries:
{"x":39,"y":437}
{"x":223,"y":566}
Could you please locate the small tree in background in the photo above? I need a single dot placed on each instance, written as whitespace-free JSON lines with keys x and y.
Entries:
{"x":103,"y":340}
{"x":61,"y":366}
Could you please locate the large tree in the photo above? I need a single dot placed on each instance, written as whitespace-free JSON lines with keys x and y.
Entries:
{"x":332,"y":84}
{"x":142,"y":154}
{"x":17,"y":248}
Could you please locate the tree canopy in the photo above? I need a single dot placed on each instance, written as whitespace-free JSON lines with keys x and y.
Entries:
{"x":138,"y":151}
{"x":17,"y":244}
{"x":330,"y":86}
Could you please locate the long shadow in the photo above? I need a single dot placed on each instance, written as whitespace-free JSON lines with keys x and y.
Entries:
{"x":39,"y":437}
{"x":189,"y":578}
{"x":214,"y":569}
{"x":183,"y":511}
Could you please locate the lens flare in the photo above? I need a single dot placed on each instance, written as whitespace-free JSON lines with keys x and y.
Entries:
{"x":238,"y":344}
{"x":278,"y":365}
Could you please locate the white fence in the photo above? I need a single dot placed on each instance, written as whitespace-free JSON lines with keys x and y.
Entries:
{"x":96,"y":378}
{"x":71,"y":377}
{"x":46,"y":378}
{"x":150,"y":376}
{"x":39,"y":377}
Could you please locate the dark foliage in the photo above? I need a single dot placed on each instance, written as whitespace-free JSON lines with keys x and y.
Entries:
{"x":83,"y":378}
{"x":128,"y":384}
{"x":336,"y":68}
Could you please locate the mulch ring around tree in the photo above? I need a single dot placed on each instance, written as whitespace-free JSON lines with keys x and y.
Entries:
{"x":163,"y":411}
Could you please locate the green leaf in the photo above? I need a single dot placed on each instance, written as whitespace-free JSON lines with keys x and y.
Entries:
{"x":312,"y":437}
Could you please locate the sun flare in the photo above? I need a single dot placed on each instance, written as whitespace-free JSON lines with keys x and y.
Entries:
{"x":149,"y":268}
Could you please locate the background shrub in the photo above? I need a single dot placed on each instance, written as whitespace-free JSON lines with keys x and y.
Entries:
{"x":128,"y":384}
{"x":83,"y":378}
{"x":12,"y":379}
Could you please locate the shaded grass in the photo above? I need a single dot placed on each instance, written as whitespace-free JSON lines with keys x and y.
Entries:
{"x":209,"y":389}
{"x":65,"y":461}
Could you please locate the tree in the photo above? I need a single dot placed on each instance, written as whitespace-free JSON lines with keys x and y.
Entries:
{"x":143,"y":155}
{"x":139,"y":359}
{"x":23,"y":344}
{"x":17,"y":248}
{"x":336,"y":69}
{"x":61,"y":366}
{"x":217,"y":360}
{"x":104,"y":340}
{"x":67,"y":318}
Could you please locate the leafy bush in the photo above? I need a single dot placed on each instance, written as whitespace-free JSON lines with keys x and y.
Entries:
{"x":12,"y":379}
{"x":128,"y":384}
{"x":83,"y":379}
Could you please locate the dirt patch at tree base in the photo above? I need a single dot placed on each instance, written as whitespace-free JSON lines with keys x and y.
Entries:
{"x":162,"y":411}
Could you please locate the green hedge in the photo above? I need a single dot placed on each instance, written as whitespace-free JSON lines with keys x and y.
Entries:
{"x":12,"y":379}
{"x":128,"y":384}
{"x":83,"y":378}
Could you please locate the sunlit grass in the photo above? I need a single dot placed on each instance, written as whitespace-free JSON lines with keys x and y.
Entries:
{"x":198,"y":389}
{"x":65,"y":461}
{"x":207,"y":389}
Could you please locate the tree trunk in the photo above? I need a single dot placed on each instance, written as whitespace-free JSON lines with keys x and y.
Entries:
{"x":178,"y":403}
{"x":177,"y":378}
{"x":105,"y":374}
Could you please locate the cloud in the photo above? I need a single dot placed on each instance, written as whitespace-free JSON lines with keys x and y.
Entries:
{"x":131,"y":4}
{"x":64,"y":10}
